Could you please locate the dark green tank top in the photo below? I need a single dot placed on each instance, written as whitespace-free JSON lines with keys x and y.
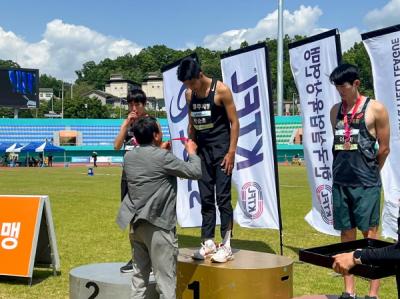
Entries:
{"x":355,"y":164}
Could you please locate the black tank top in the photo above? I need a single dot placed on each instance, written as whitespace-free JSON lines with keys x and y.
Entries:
{"x":210,"y":121}
{"x":355,"y":164}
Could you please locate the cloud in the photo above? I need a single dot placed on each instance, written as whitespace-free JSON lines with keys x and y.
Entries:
{"x":188,"y":45}
{"x":385,"y":16}
{"x":63,"y":49}
{"x":301,"y":22}
{"x":349,"y":37}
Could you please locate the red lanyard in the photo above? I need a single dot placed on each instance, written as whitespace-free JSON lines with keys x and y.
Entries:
{"x":347,"y":122}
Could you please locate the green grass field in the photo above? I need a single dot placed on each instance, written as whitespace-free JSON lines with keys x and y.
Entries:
{"x":84,"y":210}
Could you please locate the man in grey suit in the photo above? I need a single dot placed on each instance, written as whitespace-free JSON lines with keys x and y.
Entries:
{"x":151,"y":173}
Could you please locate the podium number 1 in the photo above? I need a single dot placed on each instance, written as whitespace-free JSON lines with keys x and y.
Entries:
{"x":195,"y":286}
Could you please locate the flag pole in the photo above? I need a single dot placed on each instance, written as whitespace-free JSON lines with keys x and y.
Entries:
{"x":279,"y":106}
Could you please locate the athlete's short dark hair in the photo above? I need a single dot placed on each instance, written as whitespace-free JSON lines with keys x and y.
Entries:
{"x":188,"y":69}
{"x":137,"y":96}
{"x":344,"y":73}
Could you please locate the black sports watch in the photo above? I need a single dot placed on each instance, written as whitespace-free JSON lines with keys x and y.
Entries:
{"x":357,"y":256}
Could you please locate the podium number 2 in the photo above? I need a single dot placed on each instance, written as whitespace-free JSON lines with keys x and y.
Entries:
{"x":195,"y":286}
{"x":95,"y":287}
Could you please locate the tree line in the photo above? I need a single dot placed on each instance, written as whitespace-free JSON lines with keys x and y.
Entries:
{"x":151,"y":59}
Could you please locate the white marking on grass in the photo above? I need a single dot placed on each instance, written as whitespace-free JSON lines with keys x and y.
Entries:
{"x":291,"y":186}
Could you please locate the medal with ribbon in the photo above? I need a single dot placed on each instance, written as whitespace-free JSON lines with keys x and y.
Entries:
{"x":347,"y":122}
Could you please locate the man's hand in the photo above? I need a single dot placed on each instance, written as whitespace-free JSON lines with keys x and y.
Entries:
{"x":228,"y":163}
{"x":343,"y":262}
{"x":130,"y":119}
{"x":166,"y":145}
{"x":126,"y":124}
{"x":190,"y":147}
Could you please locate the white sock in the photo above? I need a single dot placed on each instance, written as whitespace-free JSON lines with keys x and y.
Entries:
{"x":209,"y":243}
{"x":227,"y":239}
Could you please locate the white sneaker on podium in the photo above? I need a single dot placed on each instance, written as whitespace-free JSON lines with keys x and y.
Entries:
{"x":223,"y":254}
{"x":207,"y":248}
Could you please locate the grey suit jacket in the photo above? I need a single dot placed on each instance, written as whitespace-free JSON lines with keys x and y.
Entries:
{"x":151,"y":175}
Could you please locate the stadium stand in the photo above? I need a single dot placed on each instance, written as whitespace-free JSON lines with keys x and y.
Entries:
{"x":94,"y":132}
{"x":98,"y":134}
{"x":286,"y":127}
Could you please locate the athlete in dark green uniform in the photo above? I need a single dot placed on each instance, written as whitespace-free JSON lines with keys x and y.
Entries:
{"x":359,"y":125}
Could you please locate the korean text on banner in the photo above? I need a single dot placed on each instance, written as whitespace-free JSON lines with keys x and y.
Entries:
{"x":312,"y":61}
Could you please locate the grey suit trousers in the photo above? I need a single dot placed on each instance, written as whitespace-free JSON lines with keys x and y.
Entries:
{"x":156,"y":248}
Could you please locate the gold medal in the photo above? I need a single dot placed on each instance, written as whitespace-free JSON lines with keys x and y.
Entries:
{"x":347,"y":146}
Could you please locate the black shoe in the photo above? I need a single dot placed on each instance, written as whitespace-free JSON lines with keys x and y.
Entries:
{"x":127,"y":268}
{"x":346,"y":295}
{"x":369,"y":297}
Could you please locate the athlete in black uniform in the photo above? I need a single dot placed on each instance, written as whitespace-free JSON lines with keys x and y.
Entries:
{"x":214,"y":125}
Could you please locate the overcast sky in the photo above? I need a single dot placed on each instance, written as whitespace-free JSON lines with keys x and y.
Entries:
{"x":59,"y":36}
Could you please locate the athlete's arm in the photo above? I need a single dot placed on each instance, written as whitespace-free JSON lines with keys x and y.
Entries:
{"x":382,"y":129}
{"x":190,"y":129}
{"x":333,"y":114}
{"x":226,"y":97}
{"x":119,"y":140}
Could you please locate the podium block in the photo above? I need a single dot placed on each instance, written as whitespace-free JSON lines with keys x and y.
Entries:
{"x":104,"y":281}
{"x":251,"y":274}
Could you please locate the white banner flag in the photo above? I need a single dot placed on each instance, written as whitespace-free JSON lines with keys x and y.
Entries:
{"x":188,"y":202}
{"x":245,"y":72}
{"x":312,"y":60}
{"x":383,"y":47}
